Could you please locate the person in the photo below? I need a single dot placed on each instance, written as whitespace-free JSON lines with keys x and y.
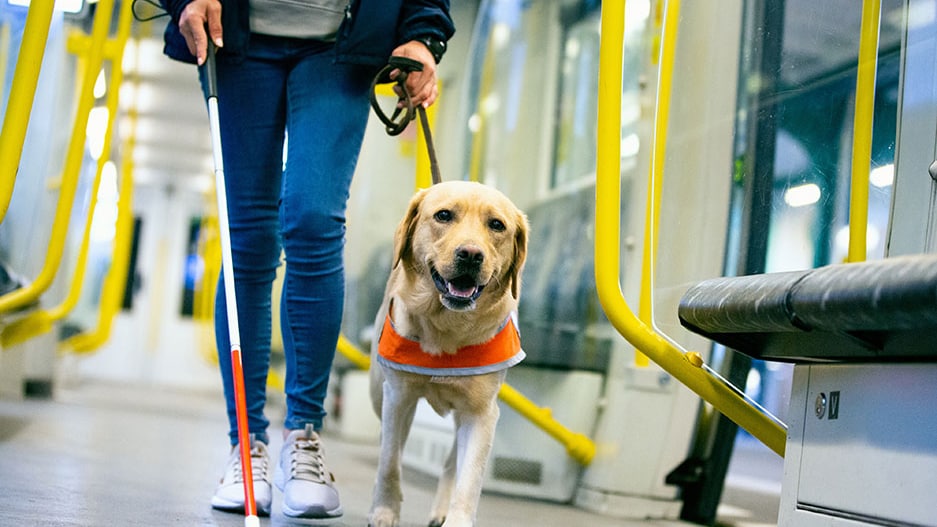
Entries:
{"x":295,"y":74}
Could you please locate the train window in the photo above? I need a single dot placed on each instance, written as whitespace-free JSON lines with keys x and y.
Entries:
{"x":509,"y":118}
{"x":756,"y":175}
{"x":575,"y":141}
{"x":804,"y":114}
{"x":533,"y":128}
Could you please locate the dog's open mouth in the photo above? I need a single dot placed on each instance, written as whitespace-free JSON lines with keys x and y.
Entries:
{"x":459,"y":292}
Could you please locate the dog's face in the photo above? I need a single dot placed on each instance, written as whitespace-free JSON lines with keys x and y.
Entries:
{"x":463,"y":240}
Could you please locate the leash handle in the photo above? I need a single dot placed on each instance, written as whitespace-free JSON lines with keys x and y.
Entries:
{"x":393,"y":124}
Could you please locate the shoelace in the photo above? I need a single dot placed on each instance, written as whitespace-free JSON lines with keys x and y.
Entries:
{"x":306,"y":461}
{"x":258,"y":466}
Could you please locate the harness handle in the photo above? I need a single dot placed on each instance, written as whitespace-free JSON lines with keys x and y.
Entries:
{"x":395,"y":124}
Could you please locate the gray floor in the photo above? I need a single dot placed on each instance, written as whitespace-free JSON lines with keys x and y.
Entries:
{"x":110,"y":455}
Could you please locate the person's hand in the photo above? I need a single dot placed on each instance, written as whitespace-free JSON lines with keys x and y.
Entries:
{"x":421,"y":85}
{"x":196,"y":15}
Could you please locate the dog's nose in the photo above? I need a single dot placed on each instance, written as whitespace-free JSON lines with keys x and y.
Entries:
{"x":469,"y":254}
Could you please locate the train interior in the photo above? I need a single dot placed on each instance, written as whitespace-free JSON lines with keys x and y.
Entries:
{"x":729,"y":306}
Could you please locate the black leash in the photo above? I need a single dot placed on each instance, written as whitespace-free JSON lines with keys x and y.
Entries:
{"x":395,"y":124}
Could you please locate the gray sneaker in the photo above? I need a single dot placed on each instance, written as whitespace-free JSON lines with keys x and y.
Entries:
{"x":307,"y":486}
{"x":229,"y":496}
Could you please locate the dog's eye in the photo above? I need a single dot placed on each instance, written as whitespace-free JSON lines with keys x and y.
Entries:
{"x":496,"y":225}
{"x":443,"y":216}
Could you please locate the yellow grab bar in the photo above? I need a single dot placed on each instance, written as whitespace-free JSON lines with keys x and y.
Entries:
{"x":41,"y":321}
{"x":578,"y":446}
{"x":352,"y":353}
{"x":115,"y":282}
{"x":112,"y":292}
{"x":608,"y":248}
{"x":862,"y":130}
{"x":22,"y":93}
{"x":72,"y":169}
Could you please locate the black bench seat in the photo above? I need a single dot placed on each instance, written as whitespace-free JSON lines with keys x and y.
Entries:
{"x":882,"y":310}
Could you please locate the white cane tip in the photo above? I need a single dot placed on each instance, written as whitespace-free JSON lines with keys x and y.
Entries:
{"x":251,"y":521}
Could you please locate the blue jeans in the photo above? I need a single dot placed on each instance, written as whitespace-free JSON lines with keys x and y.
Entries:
{"x":287,"y":86}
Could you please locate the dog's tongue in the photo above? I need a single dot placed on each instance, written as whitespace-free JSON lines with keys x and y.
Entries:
{"x":464,"y":292}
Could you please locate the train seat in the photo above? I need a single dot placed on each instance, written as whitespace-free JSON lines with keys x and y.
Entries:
{"x":559,"y":311}
{"x":882,"y":310}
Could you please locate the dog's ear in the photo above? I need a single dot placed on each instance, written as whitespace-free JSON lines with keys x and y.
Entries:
{"x":520,"y":253}
{"x":403,"y":238}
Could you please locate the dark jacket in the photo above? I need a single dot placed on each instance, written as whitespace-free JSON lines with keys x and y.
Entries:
{"x":368,"y":34}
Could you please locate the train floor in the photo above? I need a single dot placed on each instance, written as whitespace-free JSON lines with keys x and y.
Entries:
{"x":100,"y":454}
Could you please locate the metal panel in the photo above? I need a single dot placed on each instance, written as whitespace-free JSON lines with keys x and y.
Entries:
{"x":869,"y":446}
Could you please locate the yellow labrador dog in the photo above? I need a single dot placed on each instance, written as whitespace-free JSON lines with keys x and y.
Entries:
{"x":448,"y":335}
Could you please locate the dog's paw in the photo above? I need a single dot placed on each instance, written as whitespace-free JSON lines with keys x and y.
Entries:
{"x":454,"y":520}
{"x":383,"y":517}
{"x":437,"y":522}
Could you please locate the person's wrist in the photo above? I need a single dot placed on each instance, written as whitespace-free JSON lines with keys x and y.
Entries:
{"x":436,"y":47}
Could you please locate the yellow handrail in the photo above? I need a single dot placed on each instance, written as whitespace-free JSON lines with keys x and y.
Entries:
{"x":112,"y":291}
{"x":862,"y":130}
{"x":352,"y":353}
{"x":608,"y":240}
{"x":115,"y":282}
{"x":203,"y":310}
{"x":72,"y":169}
{"x":656,"y":170}
{"x":39,"y":322}
{"x":578,"y":446}
{"x":22,"y":93}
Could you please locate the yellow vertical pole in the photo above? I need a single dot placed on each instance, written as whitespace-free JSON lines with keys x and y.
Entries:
{"x":41,"y":321}
{"x":20,"y":103}
{"x":115,"y":282}
{"x":608,"y":249}
{"x":862,"y":130}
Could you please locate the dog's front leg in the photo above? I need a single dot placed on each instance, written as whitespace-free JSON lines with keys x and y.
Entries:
{"x":396,"y":418}
{"x":444,"y":488}
{"x":474,"y":437}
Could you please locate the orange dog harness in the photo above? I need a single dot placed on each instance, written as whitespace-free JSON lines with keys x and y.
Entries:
{"x":499,"y":353}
